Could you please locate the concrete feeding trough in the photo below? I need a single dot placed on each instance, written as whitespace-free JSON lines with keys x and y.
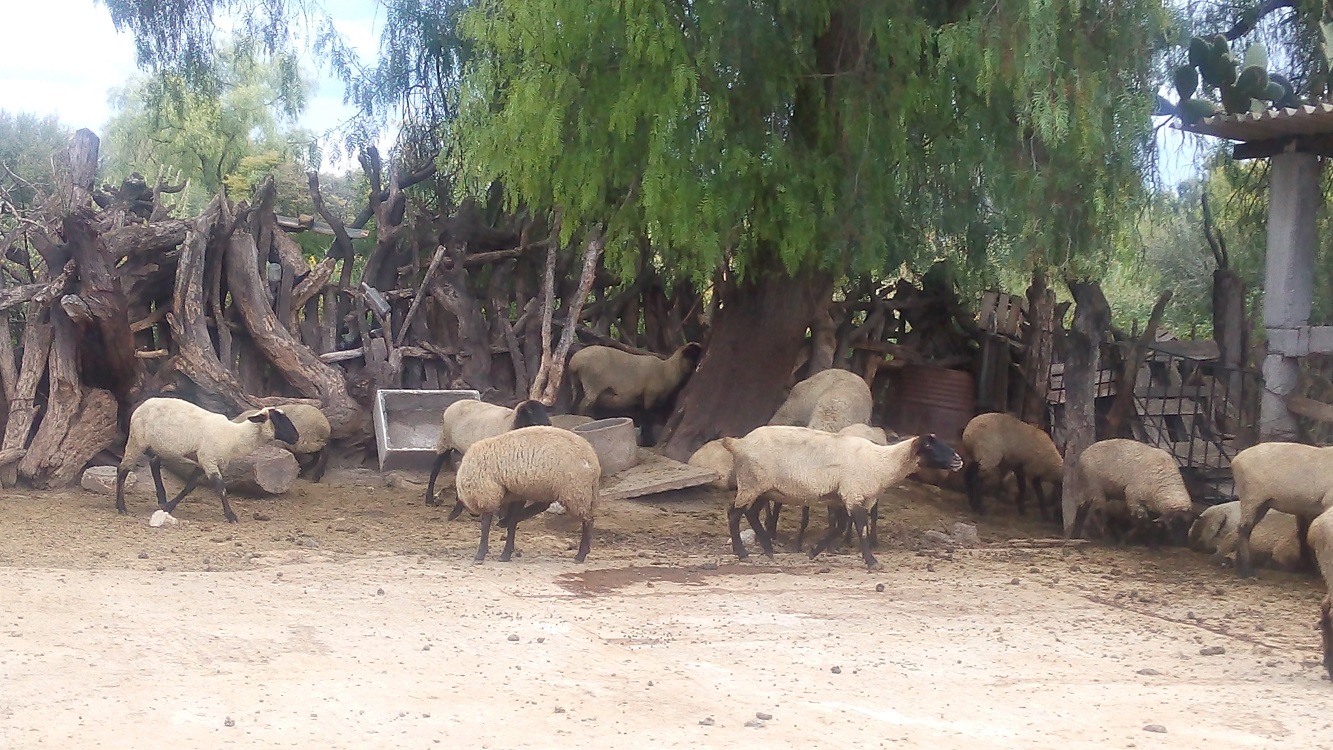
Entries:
{"x":614,"y":441}
{"x":407,"y":424}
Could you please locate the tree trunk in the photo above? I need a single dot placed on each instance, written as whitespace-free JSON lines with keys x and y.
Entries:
{"x":92,"y":429}
{"x":64,"y":394}
{"x":1083,"y":354}
{"x":105,"y":338}
{"x":22,"y":409}
{"x":1038,"y":344}
{"x":756,"y":336}
{"x":270,"y":470}
{"x":1230,"y":330}
{"x":450,"y":288}
{"x":1117,"y":420}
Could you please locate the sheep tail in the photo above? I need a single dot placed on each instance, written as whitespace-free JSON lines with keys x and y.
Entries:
{"x":730,"y":444}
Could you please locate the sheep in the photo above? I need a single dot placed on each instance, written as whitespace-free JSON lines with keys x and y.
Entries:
{"x":715,"y":458}
{"x":520,"y":474}
{"x":313,"y":427}
{"x":828,"y":400}
{"x":465,"y":422}
{"x":811,"y":466}
{"x":1274,"y":540}
{"x":174,"y":429}
{"x":1147,"y":479}
{"x":1000,"y":441}
{"x":612,"y":382}
{"x":1290,"y":477}
{"x":1321,"y":540}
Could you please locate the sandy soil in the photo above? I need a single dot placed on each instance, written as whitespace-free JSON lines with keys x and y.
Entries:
{"x":347,"y":615}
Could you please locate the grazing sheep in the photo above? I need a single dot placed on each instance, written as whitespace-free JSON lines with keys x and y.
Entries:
{"x":1274,"y":540}
{"x":1290,"y":477}
{"x":467,"y":421}
{"x":1000,"y":441}
{"x":1147,"y":479}
{"x":313,"y":427}
{"x":521,"y":473}
{"x":814,"y":467}
{"x":174,"y":429}
{"x":828,"y":400}
{"x":1321,"y":540}
{"x":612,"y":382}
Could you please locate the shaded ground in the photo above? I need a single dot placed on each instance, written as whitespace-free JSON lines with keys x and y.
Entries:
{"x":114,"y":634}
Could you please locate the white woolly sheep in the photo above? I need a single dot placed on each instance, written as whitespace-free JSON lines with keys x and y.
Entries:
{"x":814,"y":467}
{"x":828,"y":400}
{"x":608,"y":382}
{"x":1147,"y":479}
{"x":174,"y":429}
{"x":1321,"y":540}
{"x":1274,"y":541}
{"x":467,"y":421}
{"x":1000,"y":441}
{"x":875,"y":435}
{"x":1290,"y":477}
{"x":313,"y":427}
{"x":521,"y":473}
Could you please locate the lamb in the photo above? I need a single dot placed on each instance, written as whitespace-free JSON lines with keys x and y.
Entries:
{"x":175,"y":429}
{"x":313,"y":427}
{"x":1000,"y":441}
{"x":1321,"y":540}
{"x":1273,"y":541}
{"x":465,"y":422}
{"x":1147,"y":479}
{"x":521,"y":473}
{"x":828,"y":400}
{"x":1290,"y":477}
{"x":612,"y":382}
{"x":814,"y":467}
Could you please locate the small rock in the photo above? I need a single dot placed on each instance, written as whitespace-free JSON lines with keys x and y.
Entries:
{"x":708,"y":566}
{"x":262,"y":516}
{"x":379,"y":592}
{"x":560,"y":710}
{"x":308,"y":541}
{"x":930,"y":567}
{"x":229,"y":722}
{"x":1212,"y":651}
{"x":1157,"y":728}
{"x":938,"y":537}
{"x":707,"y":721}
{"x":557,"y":509}
{"x":143,"y":555}
{"x":1034,"y":569}
{"x":1190,"y":616}
{"x":161,"y":518}
{"x":1149,"y":671}
{"x":824,"y":570}
{"x":747,"y":536}
{"x":426,"y":647}
{"x":836,"y":670}
{"x":1014,"y":582}
{"x":965,"y":534}
{"x":879,"y":588}
{"x":762,"y":716}
{"x":754,"y":724}
{"x":541,"y":640}
{"x":513,"y":638}
{"x":102,"y":480}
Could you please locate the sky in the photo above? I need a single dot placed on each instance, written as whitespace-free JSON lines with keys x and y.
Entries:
{"x":44,"y":78}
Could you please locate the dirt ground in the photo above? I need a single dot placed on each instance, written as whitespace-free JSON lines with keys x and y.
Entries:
{"x":348,"y":615}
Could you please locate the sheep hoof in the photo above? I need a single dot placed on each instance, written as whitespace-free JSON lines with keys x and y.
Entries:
{"x":231,"y":518}
{"x":478,"y":560}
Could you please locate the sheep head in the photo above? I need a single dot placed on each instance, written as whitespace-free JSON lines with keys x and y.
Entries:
{"x":283,"y":429}
{"x":692,"y":352}
{"x":530,"y":413}
{"x":934,"y":453}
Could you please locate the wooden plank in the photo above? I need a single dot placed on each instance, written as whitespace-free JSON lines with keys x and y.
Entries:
{"x":1310,"y":409}
{"x":653,"y":474}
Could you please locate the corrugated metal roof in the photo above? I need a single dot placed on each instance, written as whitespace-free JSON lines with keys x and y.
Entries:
{"x":1311,"y":119}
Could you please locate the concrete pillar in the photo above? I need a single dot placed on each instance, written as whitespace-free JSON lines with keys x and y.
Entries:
{"x":1293,"y":201}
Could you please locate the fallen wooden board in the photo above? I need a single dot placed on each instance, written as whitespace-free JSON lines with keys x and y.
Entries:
{"x":651,"y":475}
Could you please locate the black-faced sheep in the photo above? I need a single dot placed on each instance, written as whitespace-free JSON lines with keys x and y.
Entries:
{"x":174,"y":429}
{"x":1274,"y":542}
{"x":609,"y":382}
{"x":1321,"y":540}
{"x":1147,"y":479}
{"x":1290,"y":477}
{"x":1005,"y":443}
{"x":828,"y":400}
{"x":521,"y":473}
{"x":313,"y":427}
{"x":467,"y":421}
{"x":814,"y":467}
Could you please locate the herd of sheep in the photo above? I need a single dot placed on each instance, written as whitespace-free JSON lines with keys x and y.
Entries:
{"x":817,"y":450}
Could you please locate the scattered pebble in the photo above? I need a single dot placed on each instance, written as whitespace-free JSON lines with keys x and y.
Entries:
{"x":747,"y":536}
{"x":379,"y":592}
{"x":1212,"y":651}
{"x":1157,"y":728}
{"x":308,"y":541}
{"x":426,"y":647}
{"x":762,"y":716}
{"x":560,"y":710}
{"x":930,"y":567}
{"x":836,"y":670}
{"x":707,"y":721}
{"x":708,"y":566}
{"x":262,"y":516}
{"x":754,"y":724}
{"x":879,"y":588}
{"x":1149,"y":671}
{"x":513,"y":638}
{"x":229,"y":722}
{"x":1014,"y":582}
{"x":824,"y":570}
{"x":143,"y":555}
{"x":541,"y":640}
{"x":162,"y":518}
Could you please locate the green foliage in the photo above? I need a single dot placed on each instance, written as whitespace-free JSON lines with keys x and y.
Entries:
{"x":27,"y":143}
{"x":856,"y":136}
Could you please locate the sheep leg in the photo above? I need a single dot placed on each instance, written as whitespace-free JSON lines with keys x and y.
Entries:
{"x":155,"y":465}
{"x":752,"y":515}
{"x":190,"y":484}
{"x":120,"y":490}
{"x":837,"y":522}
{"x":847,"y":532}
{"x":972,"y":480}
{"x":431,"y":499}
{"x":1020,"y":498}
{"x":220,"y":487}
{"x":1041,"y":498}
{"x":321,"y":463}
{"x":734,"y":526}
{"x":585,"y":542}
{"x":457,"y":510}
{"x":1080,"y":520}
{"x":1244,"y":560}
{"x":805,"y":521}
{"x":1303,"y":536}
{"x":858,"y":514}
{"x":774,"y":508}
{"x":511,"y":527}
{"x":484,"y":545}
{"x":873,"y":527}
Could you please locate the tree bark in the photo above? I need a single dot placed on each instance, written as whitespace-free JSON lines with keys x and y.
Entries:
{"x":22,"y":409}
{"x":1117,"y":420}
{"x":269,"y":470}
{"x":756,"y":336}
{"x":450,"y":289}
{"x":1083,"y":354}
{"x":1038,"y":343}
{"x":91,"y":430}
{"x":64,"y":394}
{"x":575,"y":304}
{"x":106,"y":340}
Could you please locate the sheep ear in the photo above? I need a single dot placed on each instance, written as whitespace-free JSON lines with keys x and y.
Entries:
{"x":259,"y":418}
